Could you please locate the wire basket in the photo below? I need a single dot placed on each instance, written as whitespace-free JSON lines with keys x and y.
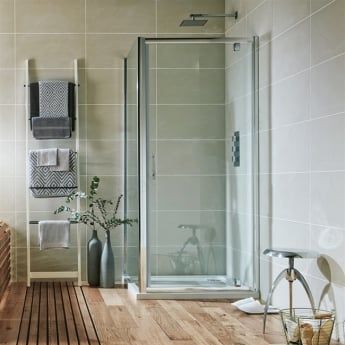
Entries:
{"x":307,"y":326}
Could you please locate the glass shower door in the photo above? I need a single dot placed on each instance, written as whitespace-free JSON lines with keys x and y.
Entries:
{"x":199,"y":204}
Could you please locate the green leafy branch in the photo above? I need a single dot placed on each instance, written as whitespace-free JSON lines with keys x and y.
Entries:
{"x":100,"y":211}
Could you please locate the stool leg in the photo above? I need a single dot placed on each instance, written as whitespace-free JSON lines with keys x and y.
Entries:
{"x":281,"y":276}
{"x":305,"y":285}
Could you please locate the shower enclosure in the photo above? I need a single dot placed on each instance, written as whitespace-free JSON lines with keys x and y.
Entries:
{"x":191,"y":161}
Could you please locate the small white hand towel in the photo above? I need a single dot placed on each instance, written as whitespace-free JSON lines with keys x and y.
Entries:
{"x":62,"y":160}
{"x":54,"y":234}
{"x":47,"y":157}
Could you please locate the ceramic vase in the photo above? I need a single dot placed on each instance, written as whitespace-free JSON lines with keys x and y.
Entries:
{"x":94,"y":252}
{"x":107,"y":267}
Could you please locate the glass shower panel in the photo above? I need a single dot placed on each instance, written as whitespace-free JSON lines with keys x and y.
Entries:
{"x":131,"y":234}
{"x":240,"y":178}
{"x":186,"y":114}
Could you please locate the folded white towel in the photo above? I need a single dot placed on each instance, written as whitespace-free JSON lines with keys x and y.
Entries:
{"x":62,"y":160}
{"x":54,"y":234}
{"x":47,"y":157}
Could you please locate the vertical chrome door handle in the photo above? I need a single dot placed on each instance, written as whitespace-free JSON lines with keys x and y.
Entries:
{"x":153,"y":166}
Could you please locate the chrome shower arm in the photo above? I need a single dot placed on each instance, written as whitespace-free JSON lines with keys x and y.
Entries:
{"x":216,"y":15}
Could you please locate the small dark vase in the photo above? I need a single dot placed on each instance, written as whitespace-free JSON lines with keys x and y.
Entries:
{"x":94,"y":252}
{"x":107,"y":279}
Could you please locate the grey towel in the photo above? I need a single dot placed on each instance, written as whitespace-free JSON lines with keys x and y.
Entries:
{"x":62,"y":160}
{"x":47,"y":157}
{"x":53,"y":98}
{"x":51,"y":127}
{"x":54,"y":234}
{"x":45,"y":183}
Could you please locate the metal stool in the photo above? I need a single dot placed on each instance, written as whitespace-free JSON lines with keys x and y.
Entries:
{"x":290,"y":274}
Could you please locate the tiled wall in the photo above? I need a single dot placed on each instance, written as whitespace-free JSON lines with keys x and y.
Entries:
{"x":52,"y":33}
{"x":302,"y":124}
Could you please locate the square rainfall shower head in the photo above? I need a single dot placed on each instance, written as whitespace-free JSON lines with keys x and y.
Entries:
{"x":193,"y":22}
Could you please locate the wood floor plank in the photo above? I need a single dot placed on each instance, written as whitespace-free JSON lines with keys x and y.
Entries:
{"x":107,"y":332}
{"x":70,"y":325}
{"x":91,"y":334}
{"x":60,"y":316}
{"x":34,"y":317}
{"x":110,"y":297}
{"x":223,"y":335}
{"x":78,"y":320}
{"x":52,"y":322}
{"x":169,"y":326}
{"x":148,"y":330}
{"x":198,"y":332}
{"x":240,"y":333}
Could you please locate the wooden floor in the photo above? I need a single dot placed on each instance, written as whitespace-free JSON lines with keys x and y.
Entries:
{"x":59,"y":313}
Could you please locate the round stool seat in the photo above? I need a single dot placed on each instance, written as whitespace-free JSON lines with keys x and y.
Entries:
{"x":288,"y":253}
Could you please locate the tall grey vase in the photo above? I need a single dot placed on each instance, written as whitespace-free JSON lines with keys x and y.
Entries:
{"x":107,"y":279}
{"x":94,"y":252}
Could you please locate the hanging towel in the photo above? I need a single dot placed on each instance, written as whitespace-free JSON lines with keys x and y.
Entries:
{"x":54,"y":234}
{"x":62,"y":160}
{"x":45,"y":183}
{"x":35,"y":106}
{"x":51,"y":127}
{"x":47,"y":157}
{"x":53,"y":98}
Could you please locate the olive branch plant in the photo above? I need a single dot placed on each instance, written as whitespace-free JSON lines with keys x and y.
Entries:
{"x":100,"y":211}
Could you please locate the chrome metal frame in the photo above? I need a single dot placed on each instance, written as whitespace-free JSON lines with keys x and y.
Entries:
{"x":143,"y":278}
{"x":256,"y":162}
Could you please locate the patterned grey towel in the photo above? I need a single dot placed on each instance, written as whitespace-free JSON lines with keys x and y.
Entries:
{"x":53,"y":98}
{"x":45,"y":183}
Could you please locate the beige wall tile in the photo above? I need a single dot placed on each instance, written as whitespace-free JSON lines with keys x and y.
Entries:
{"x":104,"y":86}
{"x":105,"y":122}
{"x":191,"y":157}
{"x":7,"y":86}
{"x":190,"y":56}
{"x":290,"y":52}
{"x":7,"y":16}
{"x":327,"y":204}
{"x":7,"y":120}
{"x":117,"y":16}
{"x":327,"y":32}
{"x":190,"y":86}
{"x":50,"y":51}
{"x":54,"y":16}
{"x":7,"y":159}
{"x":288,"y":13}
{"x":7,"y":189}
{"x":190,"y":122}
{"x":7,"y":51}
{"x":327,"y":143}
{"x":328,"y":88}
{"x":171,"y":13}
{"x":191,"y":193}
{"x":108,"y":51}
{"x":317,"y":4}
{"x":104,"y":157}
